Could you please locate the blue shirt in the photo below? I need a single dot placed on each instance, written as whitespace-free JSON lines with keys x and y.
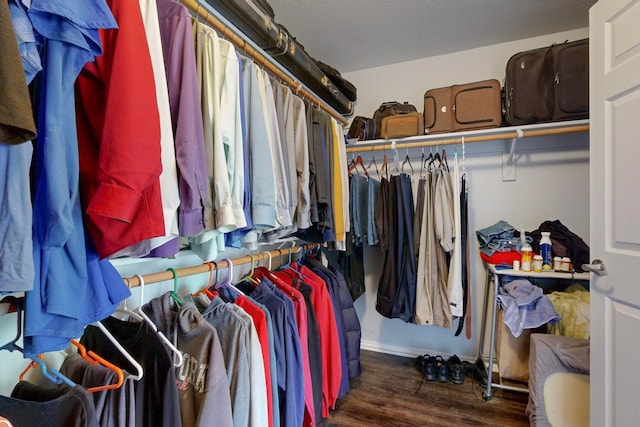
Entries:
{"x":16,"y":260}
{"x":72,"y":287}
{"x":288,"y":352}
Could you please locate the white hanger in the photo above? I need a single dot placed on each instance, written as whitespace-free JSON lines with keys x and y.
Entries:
{"x":125,"y":310}
{"x":163,"y":338}
{"x":124,"y":352}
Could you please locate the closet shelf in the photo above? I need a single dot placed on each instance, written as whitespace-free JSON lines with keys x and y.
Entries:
{"x":484,"y":135}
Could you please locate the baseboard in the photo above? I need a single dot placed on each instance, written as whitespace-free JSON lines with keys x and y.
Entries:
{"x":392,"y":349}
{"x":410,"y":351}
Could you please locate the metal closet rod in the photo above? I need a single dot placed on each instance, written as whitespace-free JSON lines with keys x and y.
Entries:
{"x":162,"y":276}
{"x":467,"y":139}
{"x":240,"y":43}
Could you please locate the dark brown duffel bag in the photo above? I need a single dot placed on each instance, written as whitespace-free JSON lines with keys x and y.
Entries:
{"x":470,"y":106}
{"x":548,"y":84}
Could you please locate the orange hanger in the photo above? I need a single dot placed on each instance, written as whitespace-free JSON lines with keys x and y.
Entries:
{"x":31,"y":364}
{"x":207,"y":289}
{"x":95,"y":359}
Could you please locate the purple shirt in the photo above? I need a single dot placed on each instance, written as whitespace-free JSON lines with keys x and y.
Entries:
{"x":186,"y":115}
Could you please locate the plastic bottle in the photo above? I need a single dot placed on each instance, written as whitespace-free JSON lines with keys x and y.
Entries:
{"x":526,"y":252}
{"x":545,"y":249}
{"x":537,"y":263}
{"x":525,"y":261}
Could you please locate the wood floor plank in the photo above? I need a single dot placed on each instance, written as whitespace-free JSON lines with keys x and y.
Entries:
{"x":389,"y":393}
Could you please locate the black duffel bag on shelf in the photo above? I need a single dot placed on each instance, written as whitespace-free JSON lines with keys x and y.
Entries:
{"x":362,"y":128}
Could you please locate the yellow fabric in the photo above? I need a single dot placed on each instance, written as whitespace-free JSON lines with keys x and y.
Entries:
{"x":338,"y":207}
{"x":573,"y":307}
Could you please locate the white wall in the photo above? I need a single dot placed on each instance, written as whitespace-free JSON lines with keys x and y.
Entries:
{"x":552,"y":182}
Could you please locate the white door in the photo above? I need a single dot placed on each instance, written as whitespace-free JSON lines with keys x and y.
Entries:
{"x":615,"y":211}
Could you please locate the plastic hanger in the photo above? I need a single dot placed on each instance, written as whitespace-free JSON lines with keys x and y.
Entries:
{"x":174,"y":293}
{"x":49,"y":373}
{"x":12,"y":345}
{"x":180,"y":359}
{"x":227,"y":283}
{"x":270,"y":258}
{"x":95,"y":359}
{"x":125,"y":310}
{"x":249,"y":277}
{"x":207,"y":289}
{"x":125,"y":353}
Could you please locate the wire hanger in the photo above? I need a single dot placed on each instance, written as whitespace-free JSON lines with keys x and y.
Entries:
{"x":95,"y":359}
{"x":373,"y":162}
{"x":174,"y":293}
{"x":407,"y":160}
{"x":444,"y":160}
{"x":180,"y":359}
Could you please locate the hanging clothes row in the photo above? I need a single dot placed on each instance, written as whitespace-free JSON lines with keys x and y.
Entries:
{"x":199,"y":147}
{"x":276,"y":348}
{"x":417,"y":221}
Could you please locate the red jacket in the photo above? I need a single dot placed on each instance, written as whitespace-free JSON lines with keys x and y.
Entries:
{"x":119,"y":137}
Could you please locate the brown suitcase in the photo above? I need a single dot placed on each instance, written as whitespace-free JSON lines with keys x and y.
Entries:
{"x":402,"y":125}
{"x":470,"y":106}
{"x":548,"y":84}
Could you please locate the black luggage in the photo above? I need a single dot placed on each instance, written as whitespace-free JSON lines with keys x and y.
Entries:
{"x":548,"y":84}
{"x":469,"y":106}
{"x":255,"y":20}
{"x":362,"y":128}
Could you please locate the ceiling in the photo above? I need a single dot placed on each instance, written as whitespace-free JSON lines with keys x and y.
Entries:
{"x":357,"y":34}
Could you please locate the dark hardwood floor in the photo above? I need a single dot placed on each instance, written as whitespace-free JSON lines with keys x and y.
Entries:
{"x":388,"y":393}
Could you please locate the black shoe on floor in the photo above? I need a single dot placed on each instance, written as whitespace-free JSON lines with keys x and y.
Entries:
{"x":442,"y":370}
{"x":426,"y":365}
{"x":456,"y":371}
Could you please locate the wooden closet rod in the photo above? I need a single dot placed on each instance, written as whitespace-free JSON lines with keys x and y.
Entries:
{"x":162,"y":276}
{"x":241,"y":44}
{"x":467,"y":139}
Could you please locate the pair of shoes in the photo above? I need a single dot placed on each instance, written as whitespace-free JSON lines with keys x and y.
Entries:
{"x":442,"y":369}
{"x":456,"y":371}
{"x":426,"y":366}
